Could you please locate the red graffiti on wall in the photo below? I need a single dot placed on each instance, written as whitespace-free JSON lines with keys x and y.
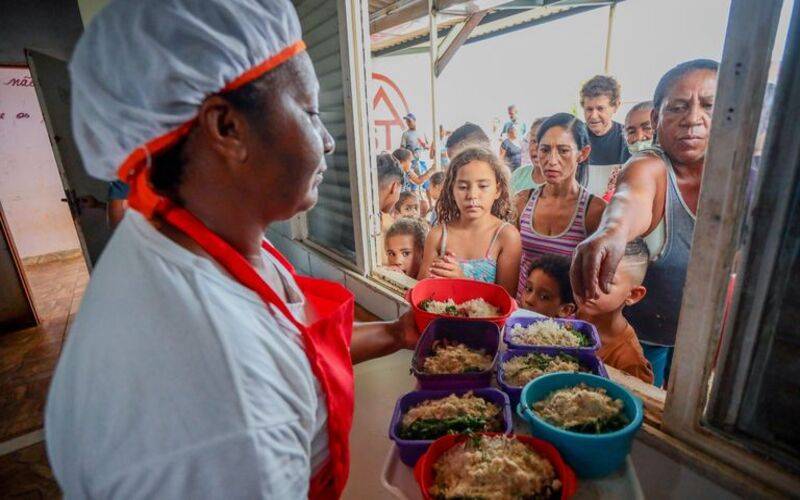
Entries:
{"x":25,"y":81}
{"x":389,"y":96}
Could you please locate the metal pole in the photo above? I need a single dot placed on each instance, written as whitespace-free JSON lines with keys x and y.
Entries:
{"x":612,"y":8}
{"x":434,"y":53}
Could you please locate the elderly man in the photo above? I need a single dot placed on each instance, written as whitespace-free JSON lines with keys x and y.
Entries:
{"x":639,"y":127}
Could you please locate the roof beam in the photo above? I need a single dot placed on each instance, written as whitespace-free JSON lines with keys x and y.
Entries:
{"x":403,"y":11}
{"x":462,"y":36}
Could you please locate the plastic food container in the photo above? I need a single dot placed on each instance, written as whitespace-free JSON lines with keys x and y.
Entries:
{"x":411,"y":449}
{"x":591,"y":455}
{"x":585,"y":359}
{"x":460,"y":290}
{"x":425,"y":476}
{"x":474,"y":334}
{"x":585,"y":328}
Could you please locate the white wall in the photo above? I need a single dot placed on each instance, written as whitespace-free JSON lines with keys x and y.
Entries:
{"x":541,"y":68}
{"x":30,"y":186}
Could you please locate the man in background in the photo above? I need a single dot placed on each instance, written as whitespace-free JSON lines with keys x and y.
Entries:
{"x":600,"y":99}
{"x":513,"y":120}
{"x":411,"y":139}
{"x":639,"y":127}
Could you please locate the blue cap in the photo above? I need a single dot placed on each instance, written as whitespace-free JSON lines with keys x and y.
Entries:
{"x":410,"y":116}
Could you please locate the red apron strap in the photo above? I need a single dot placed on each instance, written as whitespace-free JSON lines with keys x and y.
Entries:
{"x":266,"y":245}
{"x":231,"y":260}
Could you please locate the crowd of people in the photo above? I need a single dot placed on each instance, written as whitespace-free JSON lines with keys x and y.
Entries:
{"x":590,"y":218}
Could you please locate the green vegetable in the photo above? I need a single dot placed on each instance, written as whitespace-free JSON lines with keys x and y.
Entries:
{"x":451,"y":310}
{"x":434,"y":428}
{"x":612,"y":424}
{"x":585,"y":341}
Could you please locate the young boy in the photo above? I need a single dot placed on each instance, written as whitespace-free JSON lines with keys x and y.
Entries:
{"x":547,"y":289}
{"x":405,"y":243}
{"x":407,"y":205}
{"x":434,"y":192}
{"x":390,"y":182}
{"x":620,"y":347}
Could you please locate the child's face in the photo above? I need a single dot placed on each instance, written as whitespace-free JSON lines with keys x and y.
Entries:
{"x":410,"y":208}
{"x":623,"y":291}
{"x":401,"y":253}
{"x":475,"y":190}
{"x":543,"y":295}
{"x":406,"y":165}
{"x":435,"y":191}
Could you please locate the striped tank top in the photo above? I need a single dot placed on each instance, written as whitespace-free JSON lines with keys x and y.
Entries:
{"x":534,"y":244}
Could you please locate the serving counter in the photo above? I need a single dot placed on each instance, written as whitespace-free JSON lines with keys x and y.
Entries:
{"x":376,"y":471}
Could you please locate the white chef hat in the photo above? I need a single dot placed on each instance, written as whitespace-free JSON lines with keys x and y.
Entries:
{"x":143,"y":67}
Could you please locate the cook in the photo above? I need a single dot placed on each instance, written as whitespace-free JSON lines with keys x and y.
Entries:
{"x":200,"y":365}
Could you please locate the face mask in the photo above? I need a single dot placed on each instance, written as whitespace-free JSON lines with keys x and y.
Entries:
{"x":640,"y":146}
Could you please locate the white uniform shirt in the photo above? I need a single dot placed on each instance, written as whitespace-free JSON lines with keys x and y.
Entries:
{"x":177,"y":382}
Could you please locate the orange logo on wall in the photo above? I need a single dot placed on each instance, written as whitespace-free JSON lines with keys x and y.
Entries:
{"x":385,"y":105}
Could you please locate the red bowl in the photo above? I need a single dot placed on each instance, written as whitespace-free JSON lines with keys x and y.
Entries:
{"x":460,"y":290}
{"x":425,"y":476}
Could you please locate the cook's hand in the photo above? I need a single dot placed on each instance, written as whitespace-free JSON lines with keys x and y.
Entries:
{"x":594,"y":264}
{"x":447,"y":267}
{"x":405,"y":332}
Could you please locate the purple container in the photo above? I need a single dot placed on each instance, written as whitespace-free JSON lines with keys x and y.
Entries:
{"x":411,"y":449}
{"x":474,"y":334}
{"x":585,"y":328}
{"x":587,"y":360}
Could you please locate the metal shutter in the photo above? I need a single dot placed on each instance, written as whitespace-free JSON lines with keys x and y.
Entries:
{"x":330,"y":222}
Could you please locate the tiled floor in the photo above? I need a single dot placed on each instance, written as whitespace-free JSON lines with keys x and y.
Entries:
{"x":26,"y":474}
{"x":28,"y":357}
{"x":27,"y":361}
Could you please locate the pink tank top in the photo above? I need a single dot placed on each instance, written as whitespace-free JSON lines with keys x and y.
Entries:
{"x":535,"y":245}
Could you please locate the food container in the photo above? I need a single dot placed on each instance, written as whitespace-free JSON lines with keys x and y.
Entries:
{"x":425,"y":476}
{"x":585,"y":328}
{"x":460,"y":290}
{"x":411,"y":449}
{"x":474,"y":334}
{"x":591,"y":455}
{"x":585,"y":359}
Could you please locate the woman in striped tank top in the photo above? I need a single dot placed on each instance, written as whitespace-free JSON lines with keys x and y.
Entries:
{"x":557,"y":216}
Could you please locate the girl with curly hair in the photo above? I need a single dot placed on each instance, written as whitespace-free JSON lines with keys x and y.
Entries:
{"x":475,"y":237}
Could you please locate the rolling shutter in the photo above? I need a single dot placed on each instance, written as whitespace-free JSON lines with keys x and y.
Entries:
{"x":330,"y":222}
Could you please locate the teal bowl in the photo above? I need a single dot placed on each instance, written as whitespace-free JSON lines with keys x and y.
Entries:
{"x":590,"y":455}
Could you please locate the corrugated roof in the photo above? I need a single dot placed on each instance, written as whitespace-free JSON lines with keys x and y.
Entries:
{"x":508,"y":17}
{"x":376,"y":5}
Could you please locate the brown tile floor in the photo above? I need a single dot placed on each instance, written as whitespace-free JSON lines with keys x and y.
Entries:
{"x":27,"y":361}
{"x":26,"y":474}
{"x":28,"y":357}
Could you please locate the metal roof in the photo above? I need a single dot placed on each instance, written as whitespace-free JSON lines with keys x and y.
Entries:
{"x":412,"y":36}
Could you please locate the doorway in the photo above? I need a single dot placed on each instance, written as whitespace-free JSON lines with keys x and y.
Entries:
{"x":44,"y":251}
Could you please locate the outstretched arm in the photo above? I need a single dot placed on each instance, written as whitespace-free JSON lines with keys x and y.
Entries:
{"x":636,"y":208}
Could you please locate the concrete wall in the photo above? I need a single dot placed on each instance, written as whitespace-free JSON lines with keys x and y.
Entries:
{"x":51,"y":26}
{"x":30,"y":185}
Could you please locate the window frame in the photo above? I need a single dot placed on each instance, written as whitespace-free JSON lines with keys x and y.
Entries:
{"x":749,"y":42}
{"x":353,"y":24}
